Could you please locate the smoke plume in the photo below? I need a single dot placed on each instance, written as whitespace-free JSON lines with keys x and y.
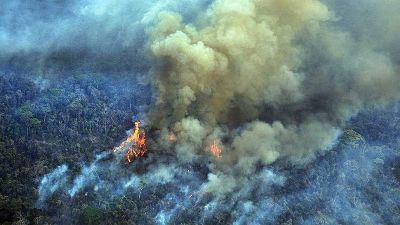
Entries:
{"x":274,"y":76}
{"x":52,"y":182}
{"x":270,"y":83}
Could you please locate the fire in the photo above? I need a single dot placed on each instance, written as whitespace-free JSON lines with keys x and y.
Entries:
{"x":172,"y":137}
{"x":216,"y":149}
{"x":135,"y":143}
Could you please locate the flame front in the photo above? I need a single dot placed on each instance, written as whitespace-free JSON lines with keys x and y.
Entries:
{"x":135,"y":144}
{"x":215,"y":149}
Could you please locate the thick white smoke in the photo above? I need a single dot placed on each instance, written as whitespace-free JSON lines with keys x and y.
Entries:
{"x":52,"y":182}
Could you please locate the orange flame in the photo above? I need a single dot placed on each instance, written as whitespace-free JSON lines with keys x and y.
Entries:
{"x":135,"y":143}
{"x":215,"y":149}
{"x":172,"y":137}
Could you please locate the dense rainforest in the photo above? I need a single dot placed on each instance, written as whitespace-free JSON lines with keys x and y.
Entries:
{"x":208,"y":112}
{"x":45,"y":122}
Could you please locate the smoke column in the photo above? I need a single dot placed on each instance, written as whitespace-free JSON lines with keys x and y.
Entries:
{"x":271,"y":83}
{"x":241,"y":73}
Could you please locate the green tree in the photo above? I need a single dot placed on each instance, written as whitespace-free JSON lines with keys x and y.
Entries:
{"x":25,"y":113}
{"x":35,"y":122}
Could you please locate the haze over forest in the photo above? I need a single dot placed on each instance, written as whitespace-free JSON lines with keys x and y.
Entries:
{"x":199,"y":112}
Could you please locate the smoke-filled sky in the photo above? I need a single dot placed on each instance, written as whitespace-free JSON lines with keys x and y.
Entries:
{"x":273,"y":82}
{"x":273,"y":79}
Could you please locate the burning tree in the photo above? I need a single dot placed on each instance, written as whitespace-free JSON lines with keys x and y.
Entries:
{"x":135,"y":145}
